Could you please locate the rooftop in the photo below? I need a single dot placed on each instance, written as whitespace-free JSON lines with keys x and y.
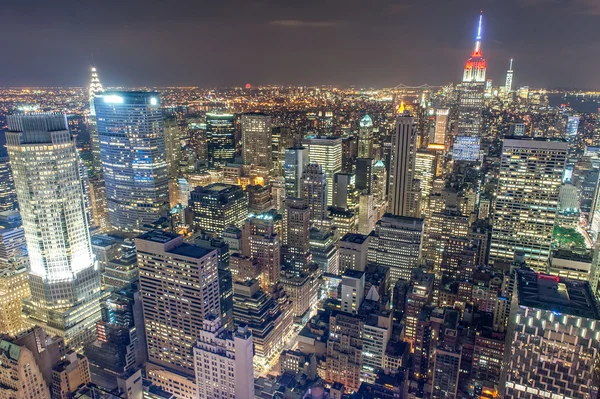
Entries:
{"x":158,"y":236}
{"x":557,"y":294}
{"x":354,"y":238}
{"x":191,"y":251}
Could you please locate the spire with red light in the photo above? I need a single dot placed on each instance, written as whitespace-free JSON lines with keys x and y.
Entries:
{"x":475,"y":67}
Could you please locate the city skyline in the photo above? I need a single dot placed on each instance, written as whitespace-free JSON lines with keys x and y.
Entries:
{"x":440,"y":33}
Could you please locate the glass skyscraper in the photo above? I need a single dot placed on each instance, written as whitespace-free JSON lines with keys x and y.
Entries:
{"x":64,"y":281}
{"x":132,"y":147}
{"x":220,"y":138}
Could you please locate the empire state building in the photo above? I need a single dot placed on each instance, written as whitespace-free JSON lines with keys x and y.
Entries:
{"x":472,"y":90}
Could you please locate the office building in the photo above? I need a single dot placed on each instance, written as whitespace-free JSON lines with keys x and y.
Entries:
{"x":8,"y":195}
{"x":365,"y":138}
{"x":425,"y":171}
{"x":182,"y":278}
{"x":303,"y":292}
{"x":364,"y":174}
{"x":270,"y":320}
{"x":343,"y":220}
{"x":14,"y":288}
{"x":20,"y":374}
{"x":223,"y":361}
{"x":353,"y":290}
{"x":327,"y":152}
{"x":509,"y":78}
{"x":396,"y":243}
{"x":257,"y":140}
{"x":471,"y":95}
{"x":522,"y":221}
{"x":552,"y":340}
{"x":343,"y":191}
{"x":366,"y":213}
{"x":353,"y":249}
{"x":402,"y":164}
{"x":70,"y":374}
{"x":323,"y":249}
{"x":121,"y":344}
{"x":218,"y":206}
{"x":64,"y":281}
{"x":296,"y":235}
{"x":172,"y":146}
{"x":132,"y":147}
{"x":220,"y":139}
{"x":261,"y":242}
{"x":441,"y":126}
{"x":94,"y":90}
{"x":419,"y":295}
{"x":446,"y":371}
{"x":293,"y":169}
{"x":314,"y":193}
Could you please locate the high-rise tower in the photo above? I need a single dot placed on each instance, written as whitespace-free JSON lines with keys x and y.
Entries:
{"x":472,"y":90}
{"x":402,"y":164}
{"x":257,"y":140}
{"x":94,"y":90}
{"x":509,"y":77}
{"x":132,"y":146}
{"x":365,"y":138}
{"x":64,"y":280}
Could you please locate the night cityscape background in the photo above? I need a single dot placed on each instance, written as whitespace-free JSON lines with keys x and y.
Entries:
{"x":317,"y":199}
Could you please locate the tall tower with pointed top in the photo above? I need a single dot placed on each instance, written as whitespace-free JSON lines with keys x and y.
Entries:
{"x":509,"y":77}
{"x":472,"y":90}
{"x":94,"y":90}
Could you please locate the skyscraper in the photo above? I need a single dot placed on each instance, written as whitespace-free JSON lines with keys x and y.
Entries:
{"x":223,"y":361}
{"x":94,"y":90}
{"x":472,"y":90}
{"x":257,"y":140}
{"x":132,"y":146}
{"x":552,"y":342}
{"x":402,"y":164}
{"x":218,"y":206}
{"x":327,"y":152}
{"x":314,"y":192}
{"x":526,"y":203}
{"x":296,"y":235}
{"x":365,"y":138}
{"x":64,"y":280}
{"x":441,"y":126}
{"x":293,"y":169}
{"x":172,"y":146}
{"x":180,"y":287}
{"x":8,"y":195}
{"x":509,"y":77}
{"x":396,"y":243}
{"x":220,"y":139}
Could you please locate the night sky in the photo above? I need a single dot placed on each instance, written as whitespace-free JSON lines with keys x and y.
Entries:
{"x":376,"y":43}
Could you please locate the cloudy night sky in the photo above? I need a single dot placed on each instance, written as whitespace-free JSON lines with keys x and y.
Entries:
{"x":376,"y":43}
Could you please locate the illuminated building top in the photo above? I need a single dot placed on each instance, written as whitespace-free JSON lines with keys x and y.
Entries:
{"x":95,"y":89}
{"x":475,"y":67}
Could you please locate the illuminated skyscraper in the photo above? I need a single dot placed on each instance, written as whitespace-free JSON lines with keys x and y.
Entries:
{"x":365,"y":138}
{"x":8,"y":195}
{"x":509,"y":78}
{"x":402,"y":164}
{"x":64,"y":280}
{"x":552,"y":341}
{"x":293,"y":169}
{"x":180,"y":287}
{"x":172,"y":146}
{"x":132,"y":146}
{"x":472,"y":90}
{"x":223,"y":361}
{"x":396,"y":243}
{"x":220,"y":138}
{"x":314,"y":192}
{"x":296,"y":235}
{"x":526,"y":203}
{"x":441,"y":126}
{"x":327,"y":152}
{"x":94,"y":90}
{"x":218,"y":206}
{"x":257,"y":140}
